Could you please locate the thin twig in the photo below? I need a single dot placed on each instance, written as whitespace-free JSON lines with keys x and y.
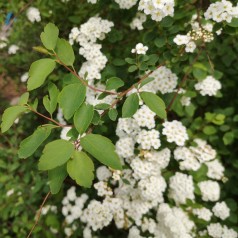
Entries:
{"x":39,"y":214}
{"x":48,"y":118}
{"x":72,"y":71}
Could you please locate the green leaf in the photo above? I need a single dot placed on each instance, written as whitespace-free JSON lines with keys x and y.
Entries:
{"x":130,"y":106}
{"x":83,"y":118}
{"x":38,"y":72}
{"x":51,"y":104}
{"x":71,"y":98}
{"x":102,"y":106}
{"x":234,"y":22}
{"x":130,"y":61}
{"x":199,"y":73}
{"x":102,"y":149}
{"x":56,"y":178}
{"x":155,"y":103}
{"x":160,"y":42}
{"x":228,"y":138}
{"x":146,"y":81}
{"x":29,"y":145}
{"x":113,"y":114}
{"x":209,"y":130}
{"x":65,"y":52}
{"x":114,"y":83}
{"x":132,"y":68}
{"x":23,"y":99}
{"x":10,"y":115}
{"x":55,"y":154}
{"x":50,"y":36}
{"x":80,"y":169}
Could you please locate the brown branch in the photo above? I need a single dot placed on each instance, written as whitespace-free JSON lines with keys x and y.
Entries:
{"x":48,"y":118}
{"x":85,"y":83}
{"x":39,"y":214}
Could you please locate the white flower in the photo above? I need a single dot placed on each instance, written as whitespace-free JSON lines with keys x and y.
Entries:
{"x":181,"y":188}
{"x":33,"y":14}
{"x":10,"y":192}
{"x":215,"y":169}
{"x":165,"y":81}
{"x":210,"y":190}
{"x":181,"y":39}
{"x":24,"y":77}
{"x":221,"y":210}
{"x":140,"y":49}
{"x":203,"y":213}
{"x":209,"y":86}
{"x":215,"y":230}
{"x":145,"y":117}
{"x":190,"y":47}
{"x":175,"y":132}
{"x":103,"y":173}
{"x":148,"y":139}
{"x":126,"y":4}
{"x":12,"y":50}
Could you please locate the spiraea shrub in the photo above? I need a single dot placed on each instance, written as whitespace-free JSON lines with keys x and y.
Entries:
{"x":119,"y":119}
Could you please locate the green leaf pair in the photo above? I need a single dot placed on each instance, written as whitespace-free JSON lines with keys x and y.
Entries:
{"x":154,"y":102}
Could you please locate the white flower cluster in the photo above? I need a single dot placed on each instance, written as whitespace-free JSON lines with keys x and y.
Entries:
{"x":216,"y":230}
{"x":210,"y":190}
{"x":165,"y":81}
{"x":157,"y":9}
{"x":181,"y":188}
{"x":221,"y":210}
{"x":140,"y":49}
{"x":175,"y":132}
{"x":87,"y":35}
{"x":221,"y":11}
{"x":203,"y":213}
{"x":192,"y":157}
{"x":209,"y":86}
{"x":33,"y":14}
{"x":126,"y":4}
{"x":199,"y":32}
{"x":173,"y":223}
{"x":12,"y":50}
{"x":137,"y":22}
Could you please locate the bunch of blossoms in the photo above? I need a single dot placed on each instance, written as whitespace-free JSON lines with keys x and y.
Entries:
{"x":137,"y":22}
{"x":221,"y":11}
{"x":199,"y":32}
{"x":208,"y":86}
{"x":33,"y":14}
{"x":126,"y":4}
{"x":157,"y":9}
{"x":87,"y":35}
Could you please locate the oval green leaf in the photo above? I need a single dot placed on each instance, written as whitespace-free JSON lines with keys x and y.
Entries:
{"x":55,"y":154}
{"x":65,"y":52}
{"x":114,"y":83}
{"x":130,"y":106}
{"x":38,"y":72}
{"x":50,"y":36}
{"x":80,"y":169}
{"x":10,"y":115}
{"x":102,"y":149}
{"x":83,"y":118}
{"x":155,"y":103}
{"x":71,"y":98}
{"x":29,"y":145}
{"x":56,"y":178}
